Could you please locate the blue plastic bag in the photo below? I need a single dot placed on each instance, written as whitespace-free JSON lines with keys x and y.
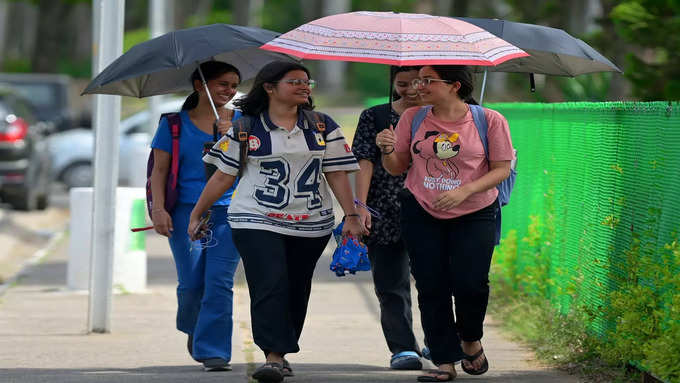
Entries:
{"x":350,"y":256}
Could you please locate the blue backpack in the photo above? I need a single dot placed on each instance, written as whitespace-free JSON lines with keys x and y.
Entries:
{"x":505,"y":187}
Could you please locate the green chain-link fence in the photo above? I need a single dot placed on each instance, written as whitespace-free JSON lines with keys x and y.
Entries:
{"x":596,"y":210}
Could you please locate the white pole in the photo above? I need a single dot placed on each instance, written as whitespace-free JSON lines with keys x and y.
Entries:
{"x":109,"y":39}
{"x":157,"y":23}
{"x":481,"y":95}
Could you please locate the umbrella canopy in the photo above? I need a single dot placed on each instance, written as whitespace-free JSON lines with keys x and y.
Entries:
{"x":551,"y":51}
{"x":164,"y":64}
{"x":395,"y":39}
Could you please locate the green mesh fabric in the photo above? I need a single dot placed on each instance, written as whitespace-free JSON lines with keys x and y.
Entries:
{"x":591,"y":176}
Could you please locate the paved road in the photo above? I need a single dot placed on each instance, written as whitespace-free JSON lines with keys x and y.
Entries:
{"x":42,"y":334}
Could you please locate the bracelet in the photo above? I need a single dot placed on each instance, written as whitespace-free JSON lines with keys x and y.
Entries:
{"x":350,"y":215}
{"x":390,"y":152}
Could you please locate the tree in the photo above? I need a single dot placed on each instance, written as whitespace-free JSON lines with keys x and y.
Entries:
{"x":654,"y":27}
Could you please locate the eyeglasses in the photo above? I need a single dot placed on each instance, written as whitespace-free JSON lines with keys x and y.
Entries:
{"x":298,"y":81}
{"x":422,"y":82}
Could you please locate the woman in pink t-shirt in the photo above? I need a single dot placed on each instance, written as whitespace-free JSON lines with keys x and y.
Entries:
{"x":449,"y":210}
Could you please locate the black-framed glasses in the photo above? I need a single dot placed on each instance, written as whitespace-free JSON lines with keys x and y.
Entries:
{"x":421,"y":82}
{"x":298,"y":81}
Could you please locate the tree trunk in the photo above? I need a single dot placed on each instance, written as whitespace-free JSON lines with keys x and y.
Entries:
{"x":332,"y":73}
{"x":247,"y":12}
{"x":4,"y":9}
{"x":54,"y":34}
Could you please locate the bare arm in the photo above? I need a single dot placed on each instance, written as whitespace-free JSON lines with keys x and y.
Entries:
{"x":339,"y":183}
{"x":362,"y":184}
{"x":162,"y":222}
{"x":498,"y":171}
{"x":395,"y":163}
{"x":217,"y":185}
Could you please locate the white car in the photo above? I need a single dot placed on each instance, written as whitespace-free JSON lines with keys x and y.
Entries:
{"x":72,"y":150}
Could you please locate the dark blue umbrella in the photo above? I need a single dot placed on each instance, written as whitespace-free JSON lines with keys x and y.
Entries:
{"x":164,"y":64}
{"x":551,"y":51}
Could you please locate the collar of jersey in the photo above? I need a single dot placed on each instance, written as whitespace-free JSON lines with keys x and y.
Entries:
{"x":269,"y":125}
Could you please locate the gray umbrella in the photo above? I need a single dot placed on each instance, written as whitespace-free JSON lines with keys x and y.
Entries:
{"x":164,"y":64}
{"x":551,"y":51}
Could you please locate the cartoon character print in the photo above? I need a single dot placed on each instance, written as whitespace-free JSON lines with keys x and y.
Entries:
{"x":445,"y":149}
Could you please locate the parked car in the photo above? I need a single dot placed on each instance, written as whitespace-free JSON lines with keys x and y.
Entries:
{"x":24,"y":157}
{"x":49,"y":93}
{"x":72,"y":151}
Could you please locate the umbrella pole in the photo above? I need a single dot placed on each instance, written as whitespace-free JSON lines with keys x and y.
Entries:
{"x":481,"y":94}
{"x":212,"y":104}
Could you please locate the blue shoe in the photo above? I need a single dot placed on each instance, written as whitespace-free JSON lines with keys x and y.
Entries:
{"x":406,"y":360}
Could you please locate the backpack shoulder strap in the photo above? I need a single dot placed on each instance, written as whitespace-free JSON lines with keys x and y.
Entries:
{"x":482,"y":126}
{"x":241,"y":133}
{"x":418,"y":119}
{"x":315,"y":121}
{"x":381,"y":116}
{"x":175,"y":125}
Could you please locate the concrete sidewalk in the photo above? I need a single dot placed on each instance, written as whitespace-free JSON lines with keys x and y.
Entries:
{"x":42,"y":334}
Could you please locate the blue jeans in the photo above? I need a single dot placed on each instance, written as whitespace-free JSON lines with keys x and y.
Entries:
{"x":206,"y":278}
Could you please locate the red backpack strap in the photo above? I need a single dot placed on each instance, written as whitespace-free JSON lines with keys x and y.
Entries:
{"x":175,"y":124}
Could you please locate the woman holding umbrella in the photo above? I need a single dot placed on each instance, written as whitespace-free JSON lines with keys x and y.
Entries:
{"x":449,"y":212}
{"x":378,"y":189}
{"x":282,"y":211}
{"x":205,"y":271}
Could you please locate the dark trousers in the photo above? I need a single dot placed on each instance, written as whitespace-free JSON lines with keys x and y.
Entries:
{"x":391,"y":279}
{"x":449,"y":257}
{"x":279,"y":271}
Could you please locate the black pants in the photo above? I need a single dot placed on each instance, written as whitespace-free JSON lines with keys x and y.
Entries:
{"x":449,"y":257}
{"x":279,"y":271}
{"x":391,"y":279}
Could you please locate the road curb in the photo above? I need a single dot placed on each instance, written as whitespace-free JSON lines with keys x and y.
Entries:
{"x":38,"y":256}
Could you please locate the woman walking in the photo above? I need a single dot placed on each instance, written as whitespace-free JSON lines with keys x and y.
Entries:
{"x":282,"y":211}
{"x":379,"y":190}
{"x":449,"y":210}
{"x":205,"y":271}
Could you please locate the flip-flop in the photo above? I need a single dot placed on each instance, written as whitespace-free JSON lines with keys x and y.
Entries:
{"x":286,"y":370}
{"x":406,"y":360}
{"x":270,"y":372}
{"x":429,"y":378}
{"x":471,"y":358}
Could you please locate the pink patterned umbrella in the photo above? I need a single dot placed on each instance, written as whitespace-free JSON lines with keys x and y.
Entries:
{"x":395,"y":39}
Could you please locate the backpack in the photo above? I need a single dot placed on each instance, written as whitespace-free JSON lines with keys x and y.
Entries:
{"x":242,"y":132}
{"x":505,"y":187}
{"x":171,"y":192}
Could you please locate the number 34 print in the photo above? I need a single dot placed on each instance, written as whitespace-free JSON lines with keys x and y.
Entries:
{"x":276,"y":190}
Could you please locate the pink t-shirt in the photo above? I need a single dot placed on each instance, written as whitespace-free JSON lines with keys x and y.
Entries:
{"x":448,"y":154}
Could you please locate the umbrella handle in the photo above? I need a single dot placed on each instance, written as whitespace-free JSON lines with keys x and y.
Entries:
{"x":207,"y":92}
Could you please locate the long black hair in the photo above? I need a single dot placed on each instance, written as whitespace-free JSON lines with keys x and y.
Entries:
{"x":394,"y":70}
{"x":257,"y":101}
{"x":462,"y":74}
{"x":211,"y":70}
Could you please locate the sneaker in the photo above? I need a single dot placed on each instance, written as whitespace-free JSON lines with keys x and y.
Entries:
{"x":406,"y":360}
{"x":216,"y":364}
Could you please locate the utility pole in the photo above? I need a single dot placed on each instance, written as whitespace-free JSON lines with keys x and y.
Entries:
{"x":157,"y":27}
{"x":108,"y":45}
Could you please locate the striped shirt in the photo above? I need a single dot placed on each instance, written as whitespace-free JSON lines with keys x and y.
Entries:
{"x":282,"y":188}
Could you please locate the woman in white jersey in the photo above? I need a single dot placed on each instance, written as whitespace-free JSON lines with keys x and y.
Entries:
{"x":282,"y":211}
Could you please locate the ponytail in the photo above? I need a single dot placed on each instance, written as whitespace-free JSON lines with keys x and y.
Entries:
{"x":191,"y":102}
{"x":471,"y":101}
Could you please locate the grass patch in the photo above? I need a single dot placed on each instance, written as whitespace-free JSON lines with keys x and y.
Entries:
{"x":559,"y":340}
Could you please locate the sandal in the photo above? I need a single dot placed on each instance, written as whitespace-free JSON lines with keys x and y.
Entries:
{"x":286,"y":370}
{"x":429,"y":378}
{"x":270,"y":372}
{"x":471,"y":358}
